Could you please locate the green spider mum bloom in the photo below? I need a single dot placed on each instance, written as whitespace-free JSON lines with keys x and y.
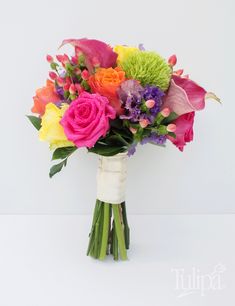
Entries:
{"x":149,"y":68}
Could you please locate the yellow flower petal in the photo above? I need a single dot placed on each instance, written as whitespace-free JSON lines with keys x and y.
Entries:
{"x":51,"y":130}
{"x":123,"y":52}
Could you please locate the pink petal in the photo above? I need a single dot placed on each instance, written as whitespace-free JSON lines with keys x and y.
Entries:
{"x":94,"y":50}
{"x":184,"y":96}
{"x":184,"y":130}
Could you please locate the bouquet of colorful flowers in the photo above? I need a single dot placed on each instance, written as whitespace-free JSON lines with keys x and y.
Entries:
{"x":109,"y":100}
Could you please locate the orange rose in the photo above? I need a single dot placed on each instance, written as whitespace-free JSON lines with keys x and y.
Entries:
{"x":44,"y":95}
{"x":106,"y":81}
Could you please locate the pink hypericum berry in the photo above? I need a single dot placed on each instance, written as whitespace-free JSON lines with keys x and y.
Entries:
{"x":72,"y":89}
{"x":171,"y":127}
{"x":65,"y":59}
{"x":77,"y":71}
{"x":150,"y":103}
{"x":50,"y":59}
{"x":66,"y":87}
{"x":144,"y":123}
{"x":95,"y":62}
{"x":74,"y":60}
{"x":79,"y":88}
{"x":85,"y":74}
{"x":133,"y":130}
{"x":53,"y":75}
{"x":165,"y":112}
{"x":179,"y":72}
{"x":172,"y":60}
{"x":59,"y":58}
{"x":60,"y":81}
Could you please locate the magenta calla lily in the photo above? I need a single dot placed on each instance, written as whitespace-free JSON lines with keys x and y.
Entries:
{"x":184,"y":96}
{"x":97,"y":53}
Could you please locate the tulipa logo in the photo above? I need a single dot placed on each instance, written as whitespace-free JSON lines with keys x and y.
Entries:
{"x":196,"y":282}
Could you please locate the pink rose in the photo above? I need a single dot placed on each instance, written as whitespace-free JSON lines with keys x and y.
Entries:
{"x":184,"y":130}
{"x":87,"y":119}
{"x":184,"y":96}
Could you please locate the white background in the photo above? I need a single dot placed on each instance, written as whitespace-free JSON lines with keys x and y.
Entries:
{"x":201,"y":33}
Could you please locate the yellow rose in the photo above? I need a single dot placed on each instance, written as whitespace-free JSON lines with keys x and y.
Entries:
{"x":51,"y":130}
{"x":123,"y":52}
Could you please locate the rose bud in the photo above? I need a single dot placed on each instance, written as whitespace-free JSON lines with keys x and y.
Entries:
{"x":179,"y":72}
{"x":172,"y":60}
{"x":50,"y":59}
{"x":85,"y":74}
{"x":143,"y":123}
{"x":52,"y":75}
{"x":150,"y":103}
{"x":60,"y":81}
{"x":133,"y":130}
{"x":171,"y":127}
{"x":165,"y":112}
{"x":72,"y":89}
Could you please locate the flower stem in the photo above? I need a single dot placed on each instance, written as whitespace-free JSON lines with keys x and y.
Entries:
{"x":119,"y":231}
{"x":105,"y":232}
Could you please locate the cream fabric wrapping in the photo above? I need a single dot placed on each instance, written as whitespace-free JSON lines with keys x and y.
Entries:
{"x":111,"y":178}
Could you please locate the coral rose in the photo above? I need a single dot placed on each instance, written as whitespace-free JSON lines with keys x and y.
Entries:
{"x":87,"y":119}
{"x":44,"y":96}
{"x":106,"y":82}
{"x":184,"y":130}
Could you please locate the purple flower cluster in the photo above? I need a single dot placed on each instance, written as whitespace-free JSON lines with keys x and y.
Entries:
{"x":133,"y":97}
{"x":153,"y":93}
{"x":155,"y":139}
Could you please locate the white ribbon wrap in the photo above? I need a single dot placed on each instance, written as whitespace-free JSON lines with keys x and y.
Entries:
{"x":111,"y":178}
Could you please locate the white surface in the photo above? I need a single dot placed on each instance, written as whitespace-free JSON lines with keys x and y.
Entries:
{"x":43,"y":261}
{"x":199,"y":32}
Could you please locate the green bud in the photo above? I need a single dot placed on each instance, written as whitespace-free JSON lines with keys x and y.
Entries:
{"x":85,"y":85}
{"x":81,"y":60}
{"x":54,"y":66}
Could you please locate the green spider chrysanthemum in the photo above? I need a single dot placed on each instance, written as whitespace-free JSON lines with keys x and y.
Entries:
{"x":149,"y":68}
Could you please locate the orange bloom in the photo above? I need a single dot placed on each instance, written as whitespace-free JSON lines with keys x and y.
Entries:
{"x":44,"y":95}
{"x":106,"y":81}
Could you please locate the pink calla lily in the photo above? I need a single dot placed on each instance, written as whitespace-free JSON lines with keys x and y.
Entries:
{"x":183,"y":131}
{"x":97,"y":53}
{"x":184,"y":96}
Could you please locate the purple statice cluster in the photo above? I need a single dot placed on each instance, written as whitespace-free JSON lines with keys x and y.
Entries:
{"x":153,"y":93}
{"x":134,"y":96}
{"x":155,"y":139}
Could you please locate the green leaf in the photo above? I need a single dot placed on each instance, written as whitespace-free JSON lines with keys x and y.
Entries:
{"x":57,"y":168}
{"x":62,"y":153}
{"x":107,"y":150}
{"x":161,"y":130}
{"x":172,"y":134}
{"x":36,"y":121}
{"x":170,"y":118}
